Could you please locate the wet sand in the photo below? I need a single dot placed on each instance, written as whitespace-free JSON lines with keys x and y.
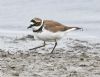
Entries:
{"x":77,"y":59}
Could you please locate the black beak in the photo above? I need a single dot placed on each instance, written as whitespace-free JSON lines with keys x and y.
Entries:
{"x":29,"y":26}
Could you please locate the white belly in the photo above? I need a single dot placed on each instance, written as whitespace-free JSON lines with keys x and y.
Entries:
{"x":49,"y":36}
{"x":46,"y":35}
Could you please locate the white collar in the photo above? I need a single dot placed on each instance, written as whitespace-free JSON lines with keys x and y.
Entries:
{"x":42,"y":23}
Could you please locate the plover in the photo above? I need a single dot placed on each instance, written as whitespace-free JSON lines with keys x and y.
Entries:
{"x":49,"y":30}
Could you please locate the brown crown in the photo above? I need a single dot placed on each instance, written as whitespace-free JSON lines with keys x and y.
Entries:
{"x":36,"y":21}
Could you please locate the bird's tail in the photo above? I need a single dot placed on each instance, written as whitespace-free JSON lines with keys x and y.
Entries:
{"x":78,"y":28}
{"x":74,"y":28}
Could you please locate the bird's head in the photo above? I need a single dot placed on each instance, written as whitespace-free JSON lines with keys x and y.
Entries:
{"x":35,"y":23}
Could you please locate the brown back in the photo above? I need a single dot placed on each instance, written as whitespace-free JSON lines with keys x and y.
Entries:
{"x":54,"y":26}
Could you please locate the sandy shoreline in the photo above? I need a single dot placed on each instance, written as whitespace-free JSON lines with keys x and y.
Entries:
{"x":82,"y":59}
{"x":77,"y":54}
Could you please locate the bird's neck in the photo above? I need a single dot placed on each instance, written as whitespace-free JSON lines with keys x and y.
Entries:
{"x":40,"y":28}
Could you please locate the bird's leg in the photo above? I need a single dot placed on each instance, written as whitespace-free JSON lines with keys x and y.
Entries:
{"x":54,"y":46}
{"x":38,"y":46}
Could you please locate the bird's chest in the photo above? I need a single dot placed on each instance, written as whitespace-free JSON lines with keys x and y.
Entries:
{"x":46,"y":35}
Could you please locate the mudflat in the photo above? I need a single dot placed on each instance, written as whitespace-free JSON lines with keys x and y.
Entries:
{"x":81,"y":59}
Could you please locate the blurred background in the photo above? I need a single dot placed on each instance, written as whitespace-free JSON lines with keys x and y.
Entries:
{"x":15,"y":16}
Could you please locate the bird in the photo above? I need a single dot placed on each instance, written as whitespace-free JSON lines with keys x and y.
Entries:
{"x":49,"y":30}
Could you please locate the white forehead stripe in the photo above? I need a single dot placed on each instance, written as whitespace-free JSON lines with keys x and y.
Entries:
{"x":31,"y":23}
